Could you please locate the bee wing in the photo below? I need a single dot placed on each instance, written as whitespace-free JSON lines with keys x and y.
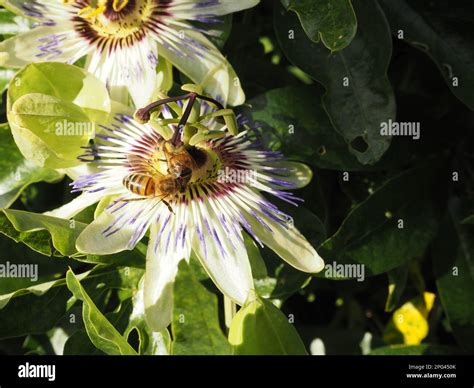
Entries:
{"x":142,"y":166}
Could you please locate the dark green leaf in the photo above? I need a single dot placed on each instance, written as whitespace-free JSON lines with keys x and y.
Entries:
{"x":47,"y":302}
{"x":359,"y":96}
{"x":218,"y":32}
{"x":195,"y":324}
{"x":444,"y":33}
{"x":392,"y":226}
{"x":397,"y":280}
{"x":332,"y":21}
{"x":47,"y":268}
{"x":468,"y":220}
{"x":79,"y":344}
{"x":453,"y":255}
{"x":294,"y":121}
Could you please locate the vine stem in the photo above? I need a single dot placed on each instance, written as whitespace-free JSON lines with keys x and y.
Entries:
{"x":230,"y":309}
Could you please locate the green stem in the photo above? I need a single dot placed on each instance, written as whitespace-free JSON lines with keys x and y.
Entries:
{"x":230,"y":309}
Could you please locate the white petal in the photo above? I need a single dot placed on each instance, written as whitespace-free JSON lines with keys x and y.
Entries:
{"x":112,"y":233}
{"x":298,"y":174}
{"x":58,"y":43}
{"x":167,"y":247}
{"x":223,"y":254}
{"x":43,"y":11}
{"x":131,"y":68}
{"x":288,"y":243}
{"x":77,"y":205}
{"x":201,"y":9}
{"x":195,"y":56}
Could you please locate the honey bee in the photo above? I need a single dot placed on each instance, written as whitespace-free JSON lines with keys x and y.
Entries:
{"x":180,"y":166}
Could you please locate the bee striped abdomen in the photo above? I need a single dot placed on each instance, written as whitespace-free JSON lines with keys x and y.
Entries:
{"x":140,"y":184}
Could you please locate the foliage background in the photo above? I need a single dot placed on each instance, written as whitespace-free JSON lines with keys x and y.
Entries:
{"x":405,"y":61}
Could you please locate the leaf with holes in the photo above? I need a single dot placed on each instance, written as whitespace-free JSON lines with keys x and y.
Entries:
{"x":359,"y":97}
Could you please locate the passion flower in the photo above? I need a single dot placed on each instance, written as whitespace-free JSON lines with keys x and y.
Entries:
{"x":124,"y":41}
{"x":217,"y":201}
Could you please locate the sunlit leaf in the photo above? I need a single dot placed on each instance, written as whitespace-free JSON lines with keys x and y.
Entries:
{"x":16,"y":172}
{"x":101,"y":332}
{"x":52,"y":108}
{"x":259,"y":328}
{"x":39,"y":231}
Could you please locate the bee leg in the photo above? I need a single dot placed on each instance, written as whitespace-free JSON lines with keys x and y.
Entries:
{"x":169,"y":206}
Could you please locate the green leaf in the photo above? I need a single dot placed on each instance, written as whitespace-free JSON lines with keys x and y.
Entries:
{"x":126,"y":317}
{"x":134,"y":258}
{"x":333,"y":22}
{"x":415,"y":350}
{"x":442,"y":32}
{"x":16,"y":173}
{"x":453,"y":254}
{"x":39,"y":231}
{"x":397,"y":280}
{"x":52,"y":108}
{"x":5,"y":77}
{"x":259,"y":328}
{"x":293,"y":121}
{"x":49,"y":301}
{"x":39,"y":268}
{"x":195,"y":325}
{"x":359,"y":97}
{"x":392,"y":226}
{"x":259,"y":269}
{"x":46,"y":302}
{"x":101,"y":332}
{"x":79,"y":344}
{"x":468,"y":220}
{"x":56,"y":236}
{"x":54,"y":116}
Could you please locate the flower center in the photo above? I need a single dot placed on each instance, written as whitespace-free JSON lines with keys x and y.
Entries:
{"x":120,"y":22}
{"x":206,"y":163}
{"x":116,"y":18}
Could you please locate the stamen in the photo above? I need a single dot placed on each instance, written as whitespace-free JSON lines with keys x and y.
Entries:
{"x":118,"y":5}
{"x":89,"y":12}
